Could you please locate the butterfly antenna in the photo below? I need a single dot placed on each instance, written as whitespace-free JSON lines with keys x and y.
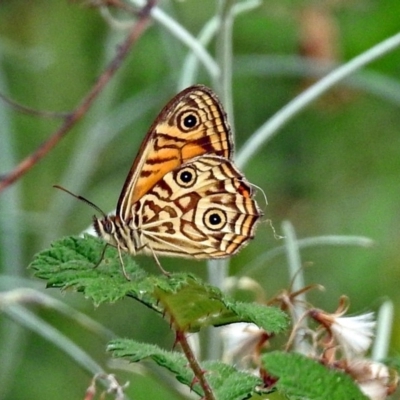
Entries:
{"x":262,"y":191}
{"x":268,"y":221}
{"x":82,"y":199}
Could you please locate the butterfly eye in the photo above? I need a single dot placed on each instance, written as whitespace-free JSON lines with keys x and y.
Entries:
{"x":107,"y":226}
{"x":188,"y":120}
{"x":215,"y":219}
{"x":186,"y":177}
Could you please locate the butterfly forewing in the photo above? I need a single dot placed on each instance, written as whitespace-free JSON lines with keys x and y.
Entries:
{"x":191,"y":124}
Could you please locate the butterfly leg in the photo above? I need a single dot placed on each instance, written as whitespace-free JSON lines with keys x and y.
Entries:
{"x":123,"y":265}
{"x":163,"y":271}
{"x":101,"y":257}
{"x":120,"y":259}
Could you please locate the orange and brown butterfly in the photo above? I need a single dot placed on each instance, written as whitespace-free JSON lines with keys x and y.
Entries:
{"x":183,"y":196}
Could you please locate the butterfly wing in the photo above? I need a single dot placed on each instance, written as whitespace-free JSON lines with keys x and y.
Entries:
{"x":202,"y":209}
{"x":191,"y":124}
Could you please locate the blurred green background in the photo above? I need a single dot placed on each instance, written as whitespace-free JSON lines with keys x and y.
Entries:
{"x":334,"y":169}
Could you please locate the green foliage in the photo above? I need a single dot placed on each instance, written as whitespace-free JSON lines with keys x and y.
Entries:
{"x":303,"y":378}
{"x":72,"y":263}
{"x":226,"y":381}
{"x":189,"y":303}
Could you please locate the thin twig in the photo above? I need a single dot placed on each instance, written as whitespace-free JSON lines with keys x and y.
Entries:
{"x":194,"y":365}
{"x":32,"y":111}
{"x":72,"y":118}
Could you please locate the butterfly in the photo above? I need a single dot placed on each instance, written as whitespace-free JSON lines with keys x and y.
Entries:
{"x":184,"y":196}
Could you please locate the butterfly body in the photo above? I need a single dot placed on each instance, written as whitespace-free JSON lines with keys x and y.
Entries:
{"x":184,"y":196}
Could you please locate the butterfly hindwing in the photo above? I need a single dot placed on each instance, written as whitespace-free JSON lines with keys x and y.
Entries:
{"x":202,"y":209}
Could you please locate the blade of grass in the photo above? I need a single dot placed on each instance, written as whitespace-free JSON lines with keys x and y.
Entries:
{"x":266,"y":131}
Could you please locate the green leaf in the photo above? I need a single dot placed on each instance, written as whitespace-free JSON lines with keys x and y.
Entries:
{"x":271,"y":319}
{"x":301,"y":377}
{"x":189,"y":303}
{"x":173,"y":361}
{"x":71,"y":263}
{"x":196,"y":304}
{"x":226,"y":381}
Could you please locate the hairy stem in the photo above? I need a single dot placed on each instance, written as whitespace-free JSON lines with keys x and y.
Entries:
{"x":194,"y":365}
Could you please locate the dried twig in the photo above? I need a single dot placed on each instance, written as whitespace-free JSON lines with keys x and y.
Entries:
{"x":73,"y":117}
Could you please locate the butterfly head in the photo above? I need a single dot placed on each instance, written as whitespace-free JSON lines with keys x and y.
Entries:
{"x":118,"y":233}
{"x":106,"y":229}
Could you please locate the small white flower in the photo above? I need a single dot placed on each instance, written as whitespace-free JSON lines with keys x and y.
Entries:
{"x":373,"y":378}
{"x":354,"y":334}
{"x":242,"y":341}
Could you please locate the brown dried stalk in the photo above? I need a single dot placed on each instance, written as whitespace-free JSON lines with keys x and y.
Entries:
{"x":71,"y":118}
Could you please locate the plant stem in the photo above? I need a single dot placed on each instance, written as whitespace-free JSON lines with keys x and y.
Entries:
{"x":224,"y":57}
{"x":194,"y":365}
